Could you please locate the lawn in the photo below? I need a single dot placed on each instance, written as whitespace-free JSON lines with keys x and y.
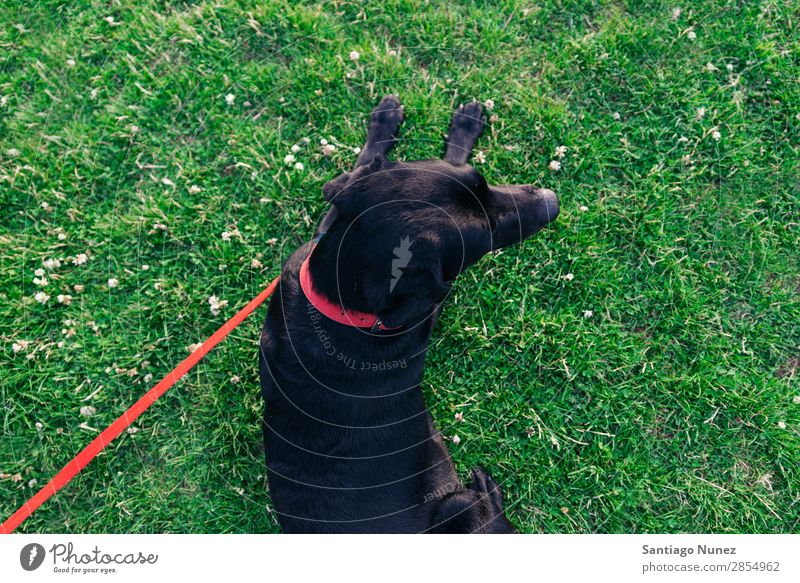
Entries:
{"x":633,"y":368}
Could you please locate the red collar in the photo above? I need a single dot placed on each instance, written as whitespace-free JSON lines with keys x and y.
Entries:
{"x":332,"y":310}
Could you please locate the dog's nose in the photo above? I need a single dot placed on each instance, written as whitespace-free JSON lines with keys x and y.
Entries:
{"x":547,"y":208}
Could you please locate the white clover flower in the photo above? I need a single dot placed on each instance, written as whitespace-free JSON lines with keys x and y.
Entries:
{"x":295,"y":148}
{"x":194,"y":347}
{"x":561,"y":151}
{"x":480,"y":158}
{"x":226,"y":236}
{"x":32,"y":482}
{"x":357,"y":150}
{"x":272,"y":241}
{"x":145,"y":267}
{"x":323,"y":142}
{"x":134,"y":129}
{"x":64,"y":299}
{"x":554,"y":165}
{"x":459,"y":416}
{"x":41,"y":297}
{"x":583,"y":208}
{"x":62,"y":236}
{"x":113,"y":282}
{"x":51,"y":263}
{"x":710,"y":67}
{"x":39,"y":426}
{"x":692,"y":35}
{"x":80,"y":259}
{"x":588,"y":313}
{"x":569,"y":277}
{"x":39,"y":272}
{"x":288,"y":159}
{"x":256,"y":264}
{"x":782,"y":424}
{"x":354,"y":56}
{"x":328,"y":149}
{"x":20,"y":345}
{"x":159,"y":285}
{"x":676,"y":13}
{"x":148,"y":377}
{"x":109,"y":20}
{"x":78,"y":288}
{"x":298,"y":166}
{"x":235,"y":380}
{"x":616,"y":116}
{"x":701,"y":113}
{"x":456,"y":440}
{"x":716,"y":135}
{"x":70,"y":62}
{"x":194,"y":189}
{"x":489,"y":104}
{"x":230,"y":98}
{"x":3,"y":101}
{"x":215,"y":305}
{"x":796,"y":400}
{"x":729,"y":67}
{"x":13,"y":152}
{"x":93,"y":94}
{"x":88,"y":411}
{"x":45,"y":205}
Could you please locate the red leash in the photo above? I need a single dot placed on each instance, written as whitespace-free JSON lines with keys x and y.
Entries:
{"x":124,"y":421}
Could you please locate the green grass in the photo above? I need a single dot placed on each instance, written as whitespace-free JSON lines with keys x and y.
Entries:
{"x":673,"y":407}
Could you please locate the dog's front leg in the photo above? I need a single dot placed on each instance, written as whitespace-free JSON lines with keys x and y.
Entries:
{"x":467,"y":124}
{"x":382,"y":133}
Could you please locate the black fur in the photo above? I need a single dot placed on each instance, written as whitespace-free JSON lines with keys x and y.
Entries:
{"x":350,"y":445}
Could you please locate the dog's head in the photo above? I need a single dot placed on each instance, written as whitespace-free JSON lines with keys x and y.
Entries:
{"x":403,"y":231}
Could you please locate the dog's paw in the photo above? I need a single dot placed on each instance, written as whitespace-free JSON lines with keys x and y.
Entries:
{"x":469,"y":120}
{"x":388,"y":114}
{"x":483,"y":484}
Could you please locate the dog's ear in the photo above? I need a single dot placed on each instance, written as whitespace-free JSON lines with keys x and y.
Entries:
{"x":379,"y":162}
{"x":345,"y":191}
{"x":413,"y":293}
{"x":333,"y":189}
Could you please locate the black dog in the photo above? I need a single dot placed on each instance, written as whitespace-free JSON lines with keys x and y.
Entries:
{"x":350,"y":445}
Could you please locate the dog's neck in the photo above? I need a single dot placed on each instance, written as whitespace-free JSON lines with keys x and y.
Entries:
{"x":335,"y":278}
{"x":346,"y":277}
{"x":333,"y":310}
